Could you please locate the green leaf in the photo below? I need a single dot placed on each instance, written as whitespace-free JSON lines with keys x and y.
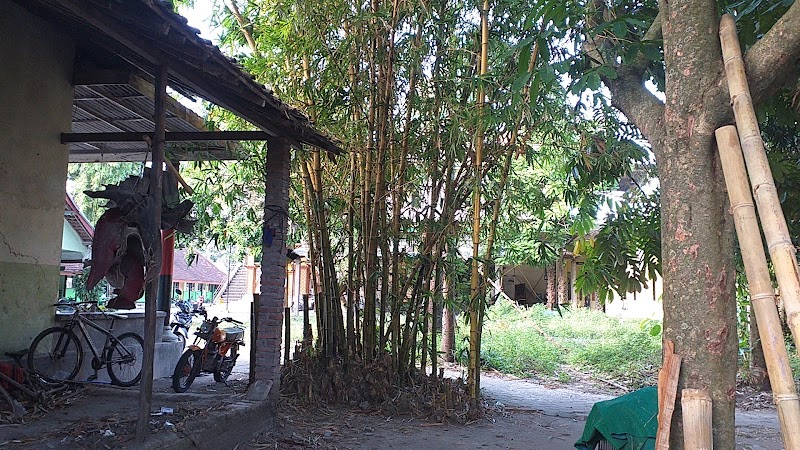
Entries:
{"x":620,"y":29}
{"x":593,"y":81}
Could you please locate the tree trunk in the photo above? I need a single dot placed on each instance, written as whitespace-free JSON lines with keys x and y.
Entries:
{"x":758,"y":363}
{"x":550,"y":275}
{"x":698,"y":245}
{"x":448,"y":333}
{"x":698,"y":264}
{"x":563,"y":282}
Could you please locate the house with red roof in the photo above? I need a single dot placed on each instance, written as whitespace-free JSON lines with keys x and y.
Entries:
{"x":197,"y":278}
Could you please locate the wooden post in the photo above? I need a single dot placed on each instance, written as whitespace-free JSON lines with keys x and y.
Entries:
{"x":254,"y":308}
{"x":287,"y":338}
{"x":146,"y":386}
{"x":696,"y":407}
{"x":773,"y":222}
{"x":762,"y":295}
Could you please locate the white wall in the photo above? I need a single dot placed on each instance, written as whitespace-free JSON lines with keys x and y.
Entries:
{"x":643,"y":305}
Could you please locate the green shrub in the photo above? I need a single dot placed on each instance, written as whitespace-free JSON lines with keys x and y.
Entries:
{"x":514,"y":342}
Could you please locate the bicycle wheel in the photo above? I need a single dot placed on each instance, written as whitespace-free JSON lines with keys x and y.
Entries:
{"x":226,"y":366}
{"x":124,"y":359}
{"x":186,"y":370}
{"x":56,"y":355}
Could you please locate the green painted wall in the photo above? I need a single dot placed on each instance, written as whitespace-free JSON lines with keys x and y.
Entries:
{"x":35,"y":107}
{"x":27,"y":294}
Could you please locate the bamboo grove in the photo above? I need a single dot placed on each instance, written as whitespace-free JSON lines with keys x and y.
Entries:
{"x":457,"y":130}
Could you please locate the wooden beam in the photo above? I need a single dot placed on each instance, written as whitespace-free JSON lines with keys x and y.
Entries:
{"x":151,"y":291}
{"x":173,"y":136}
{"x":111,"y":29}
{"x":103,"y":77}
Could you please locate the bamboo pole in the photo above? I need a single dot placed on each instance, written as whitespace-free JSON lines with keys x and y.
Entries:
{"x":773,"y":222}
{"x":696,"y":407}
{"x":762,"y":294}
{"x":476,"y":303}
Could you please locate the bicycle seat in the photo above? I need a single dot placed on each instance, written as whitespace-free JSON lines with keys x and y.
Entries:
{"x":118,"y":316}
{"x":17,"y":356}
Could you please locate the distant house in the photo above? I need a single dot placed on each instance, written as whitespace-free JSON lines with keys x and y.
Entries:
{"x":528,"y":285}
{"x":75,"y":244}
{"x":199,"y":280}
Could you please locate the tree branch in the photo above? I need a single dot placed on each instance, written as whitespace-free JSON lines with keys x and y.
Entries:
{"x":640,"y":106}
{"x":243,"y":24}
{"x":772,"y":64}
{"x":770,"y":61}
{"x":628,"y":93}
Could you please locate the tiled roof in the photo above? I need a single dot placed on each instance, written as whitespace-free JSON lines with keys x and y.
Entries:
{"x":78,"y":222}
{"x":200,"y":271}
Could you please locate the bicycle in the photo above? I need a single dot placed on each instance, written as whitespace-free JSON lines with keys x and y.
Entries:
{"x":56,"y":354}
{"x":27,"y":385}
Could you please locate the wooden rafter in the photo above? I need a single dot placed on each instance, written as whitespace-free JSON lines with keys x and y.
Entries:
{"x":173,"y":136}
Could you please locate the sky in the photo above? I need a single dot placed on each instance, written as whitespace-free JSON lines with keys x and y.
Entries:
{"x":200,"y":17}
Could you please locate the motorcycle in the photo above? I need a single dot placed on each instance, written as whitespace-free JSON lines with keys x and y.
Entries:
{"x":183,"y":318}
{"x":217,"y":356}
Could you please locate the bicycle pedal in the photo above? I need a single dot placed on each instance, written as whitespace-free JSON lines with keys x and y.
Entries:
{"x":92,"y":377}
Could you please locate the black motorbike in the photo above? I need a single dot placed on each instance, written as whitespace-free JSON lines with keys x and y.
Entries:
{"x":183,"y":318}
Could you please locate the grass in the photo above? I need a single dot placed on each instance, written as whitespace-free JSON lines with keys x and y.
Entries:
{"x":537,"y":342}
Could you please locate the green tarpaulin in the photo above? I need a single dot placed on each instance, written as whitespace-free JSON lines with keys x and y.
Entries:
{"x":629,"y":422}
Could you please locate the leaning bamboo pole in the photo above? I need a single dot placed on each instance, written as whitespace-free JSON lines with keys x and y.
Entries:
{"x":696,"y":407}
{"x":762,"y":295}
{"x":781,"y":250}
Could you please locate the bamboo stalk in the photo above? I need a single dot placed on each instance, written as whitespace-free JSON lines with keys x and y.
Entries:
{"x":773,"y":222}
{"x":476,"y":304}
{"x":313,"y":243}
{"x":761,"y":292}
{"x":696,"y":407}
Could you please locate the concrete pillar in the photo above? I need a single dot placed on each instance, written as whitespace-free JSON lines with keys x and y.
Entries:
{"x":36,"y":107}
{"x":273,"y":267}
{"x":165,"y":291}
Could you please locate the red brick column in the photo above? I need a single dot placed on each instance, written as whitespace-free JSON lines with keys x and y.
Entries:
{"x":273,"y":266}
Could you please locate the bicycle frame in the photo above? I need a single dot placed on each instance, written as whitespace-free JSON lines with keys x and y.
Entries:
{"x":82,"y":322}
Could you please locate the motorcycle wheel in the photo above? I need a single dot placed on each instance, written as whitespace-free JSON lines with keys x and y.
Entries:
{"x":185,"y":370}
{"x":226,"y":366}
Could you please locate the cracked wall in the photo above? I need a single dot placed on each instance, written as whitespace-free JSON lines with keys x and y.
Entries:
{"x":36,"y":107}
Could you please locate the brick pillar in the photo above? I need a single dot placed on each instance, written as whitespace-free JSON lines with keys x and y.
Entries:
{"x":273,"y":267}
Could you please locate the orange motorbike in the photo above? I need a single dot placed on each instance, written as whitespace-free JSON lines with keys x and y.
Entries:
{"x":218,"y":356}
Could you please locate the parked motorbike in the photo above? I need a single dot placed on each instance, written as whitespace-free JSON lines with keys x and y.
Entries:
{"x":217,"y":356}
{"x":183,"y":318}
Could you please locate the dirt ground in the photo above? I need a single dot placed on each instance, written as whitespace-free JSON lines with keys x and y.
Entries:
{"x":522,"y":414}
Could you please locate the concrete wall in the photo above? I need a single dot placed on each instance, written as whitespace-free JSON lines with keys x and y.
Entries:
{"x":35,"y":107}
{"x":532,"y":277}
{"x":643,"y":305}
